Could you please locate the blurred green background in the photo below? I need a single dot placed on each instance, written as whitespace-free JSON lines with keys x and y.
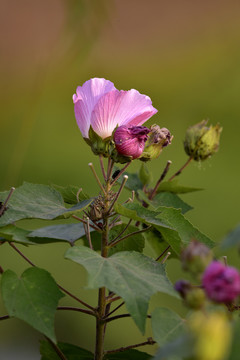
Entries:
{"x":184,"y":54}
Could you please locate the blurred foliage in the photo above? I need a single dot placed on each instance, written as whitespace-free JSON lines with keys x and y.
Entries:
{"x":186,"y":59}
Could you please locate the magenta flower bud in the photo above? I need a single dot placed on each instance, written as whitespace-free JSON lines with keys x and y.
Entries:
{"x":130,"y":141}
{"x":221,"y":283}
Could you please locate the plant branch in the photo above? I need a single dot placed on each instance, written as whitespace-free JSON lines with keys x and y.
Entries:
{"x":112,"y":244}
{"x":165,"y":258}
{"x":4,"y":317}
{"x":3,"y":206}
{"x":149,"y":341}
{"x":116,"y":308}
{"x":125,"y":177}
{"x":159,"y":257}
{"x":121,"y":316}
{"x":56,"y":348}
{"x":88,"y":234}
{"x":60,"y":287}
{"x":84,"y":222}
{"x":102,"y":167}
{"x":96,"y":177}
{"x":181,"y":169}
{"x":123,"y":231}
{"x":164,"y":173}
{"x":77,"y":309}
{"x":120,"y":173}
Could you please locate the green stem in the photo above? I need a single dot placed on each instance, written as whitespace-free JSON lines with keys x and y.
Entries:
{"x":181,"y":169}
{"x":149,"y":341}
{"x":100,"y":322}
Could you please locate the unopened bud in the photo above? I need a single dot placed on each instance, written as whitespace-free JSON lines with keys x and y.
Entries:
{"x":196,"y":257}
{"x":158,"y":138}
{"x":202,"y":141}
{"x":211,"y":336}
{"x":193,"y":297}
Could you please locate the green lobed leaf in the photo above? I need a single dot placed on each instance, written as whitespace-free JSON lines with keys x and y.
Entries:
{"x":166,"y":199}
{"x":65,"y":232}
{"x":71,"y":352}
{"x":133,"y":276}
{"x":174,"y":187}
{"x":37,"y":201}
{"x":176,"y":230}
{"x":33,"y":298}
{"x":71,"y":194}
{"x":128,"y":355}
{"x":178,"y":349}
{"x":166,"y":325}
{"x":232,"y":239}
{"x":15,"y":234}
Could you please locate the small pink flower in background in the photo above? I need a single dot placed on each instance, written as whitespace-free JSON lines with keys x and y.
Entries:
{"x":99,"y":104}
{"x":130,"y":141}
{"x":221,"y":283}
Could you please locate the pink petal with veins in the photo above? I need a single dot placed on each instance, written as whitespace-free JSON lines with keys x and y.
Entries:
{"x":120,"y":108}
{"x":86,"y":98}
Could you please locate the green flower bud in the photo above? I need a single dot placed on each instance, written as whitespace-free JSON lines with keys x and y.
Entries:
{"x":202,"y":141}
{"x":98,"y":145}
{"x":195,"y":298}
{"x":158,"y":138}
{"x":196,"y":257}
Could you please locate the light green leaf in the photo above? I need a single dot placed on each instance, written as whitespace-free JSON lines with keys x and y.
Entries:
{"x":166,"y":325}
{"x":156,"y":244}
{"x":174,"y":187}
{"x":176,"y":230}
{"x":37,"y":201}
{"x":66,"y":232}
{"x":16,"y":234}
{"x":128,"y":355}
{"x":133,"y":276}
{"x":232,"y":239}
{"x":69,"y":193}
{"x":71,"y":352}
{"x":33,"y":298}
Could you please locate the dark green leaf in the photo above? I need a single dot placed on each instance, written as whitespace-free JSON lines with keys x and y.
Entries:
{"x":133,"y":243}
{"x":16,"y":234}
{"x":133,"y":276}
{"x":32,"y":298}
{"x":175,"y":229}
{"x":232,"y":239}
{"x":67,"y":232}
{"x":71,"y":352}
{"x":155,"y":242}
{"x":174,"y":187}
{"x":37,"y":201}
{"x":166,"y":199}
{"x":128,"y":355}
{"x":166,"y":325}
{"x":71,"y":193}
{"x":133,"y":182}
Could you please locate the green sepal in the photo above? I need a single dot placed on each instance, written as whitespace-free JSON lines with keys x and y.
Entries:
{"x":98,"y":145}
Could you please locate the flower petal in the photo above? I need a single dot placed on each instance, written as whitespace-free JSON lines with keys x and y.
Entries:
{"x":120,"y":108}
{"x":86,"y":98}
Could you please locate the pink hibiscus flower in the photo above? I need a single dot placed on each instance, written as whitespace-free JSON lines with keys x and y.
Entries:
{"x":99,"y":104}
